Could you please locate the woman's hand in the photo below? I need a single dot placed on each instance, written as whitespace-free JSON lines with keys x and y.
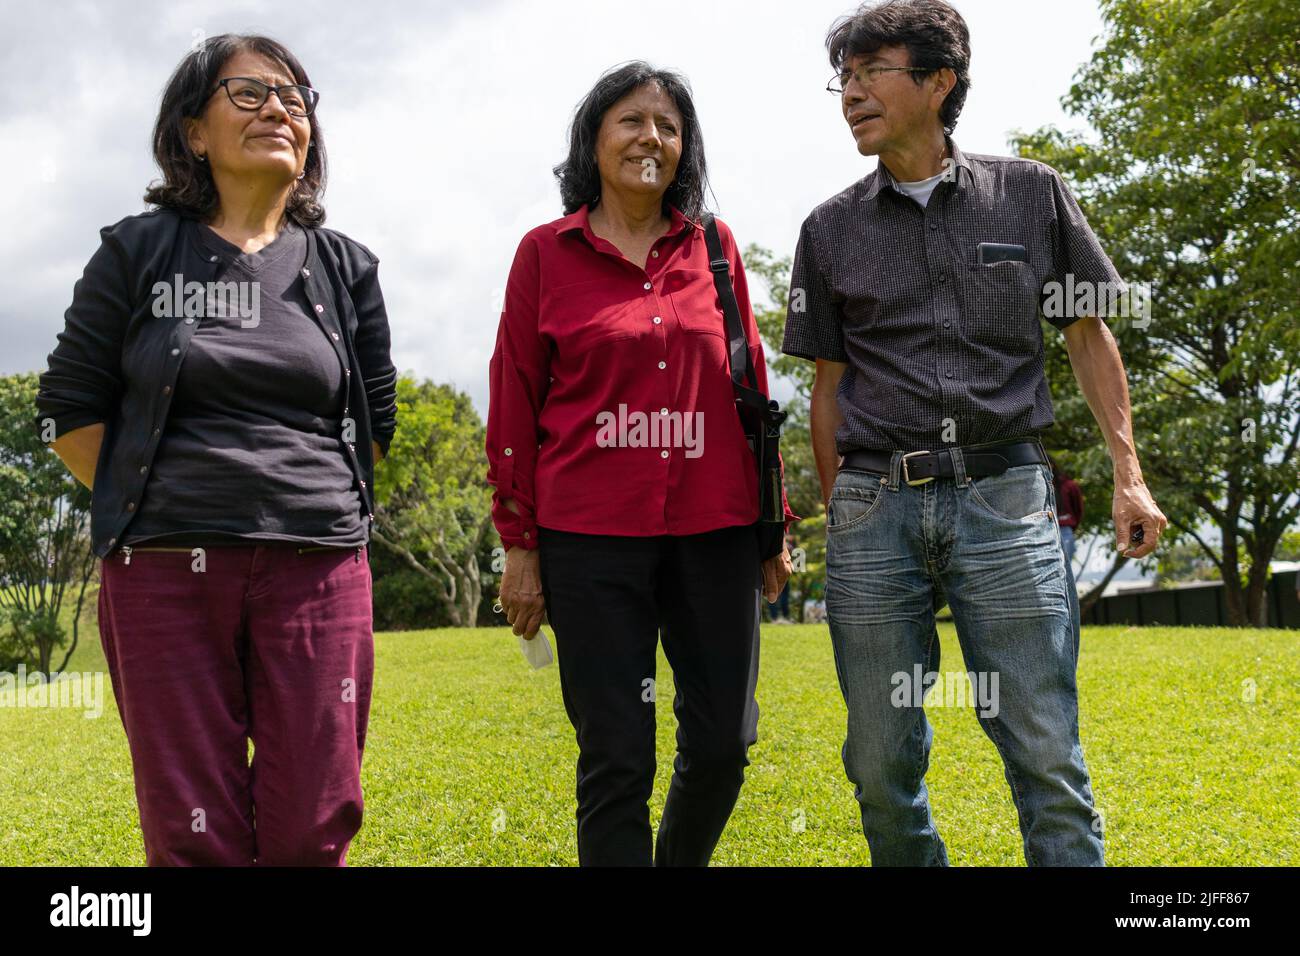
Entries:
{"x":776,"y":571}
{"x":521,"y":592}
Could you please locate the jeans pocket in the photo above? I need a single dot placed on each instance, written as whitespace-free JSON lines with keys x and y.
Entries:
{"x":853,"y":499}
{"x":1017,"y":494}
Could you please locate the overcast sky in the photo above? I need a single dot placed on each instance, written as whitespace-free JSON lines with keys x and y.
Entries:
{"x":443,"y":121}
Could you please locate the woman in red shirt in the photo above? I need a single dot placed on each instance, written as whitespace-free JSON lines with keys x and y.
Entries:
{"x":1069,"y":509}
{"x":625,"y":491}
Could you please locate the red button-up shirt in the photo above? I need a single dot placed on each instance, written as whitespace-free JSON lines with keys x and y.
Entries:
{"x":611,"y":408}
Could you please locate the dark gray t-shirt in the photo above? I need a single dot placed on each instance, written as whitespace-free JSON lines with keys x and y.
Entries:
{"x":253,"y":446}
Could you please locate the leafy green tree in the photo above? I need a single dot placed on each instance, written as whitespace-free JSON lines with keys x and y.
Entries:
{"x":1289,"y":549}
{"x":1184,"y":561}
{"x":1191,"y":185}
{"x":434,"y":504}
{"x":45,"y":555}
{"x":769,"y":295}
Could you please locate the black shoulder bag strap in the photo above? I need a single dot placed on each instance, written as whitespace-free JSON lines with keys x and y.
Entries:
{"x":760,"y":417}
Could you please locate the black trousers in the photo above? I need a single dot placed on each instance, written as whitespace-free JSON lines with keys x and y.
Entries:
{"x":609,"y":598}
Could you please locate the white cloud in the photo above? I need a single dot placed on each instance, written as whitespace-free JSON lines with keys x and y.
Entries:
{"x":443,"y":122}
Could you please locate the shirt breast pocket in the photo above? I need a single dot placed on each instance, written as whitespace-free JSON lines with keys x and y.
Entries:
{"x":693,"y":315}
{"x":694,"y":298}
{"x":1000,"y":306}
{"x":584,"y":316}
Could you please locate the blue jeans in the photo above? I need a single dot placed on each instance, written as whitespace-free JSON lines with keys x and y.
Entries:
{"x":1067,"y":544}
{"x":990,"y":548}
{"x":781,"y":606}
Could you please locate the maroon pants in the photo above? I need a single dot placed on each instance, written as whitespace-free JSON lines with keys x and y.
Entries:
{"x":264,"y":644}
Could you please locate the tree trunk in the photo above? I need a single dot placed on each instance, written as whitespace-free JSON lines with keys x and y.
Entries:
{"x":469,"y":598}
{"x":474,"y":580}
{"x":457,"y":576}
{"x":462,"y":570}
{"x":1094,"y":593}
{"x":87,"y":571}
{"x":445,"y":587}
{"x":1256,"y":596}
{"x":44,"y":651}
{"x":1234,"y":596}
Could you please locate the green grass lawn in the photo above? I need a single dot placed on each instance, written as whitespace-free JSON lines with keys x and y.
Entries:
{"x":470,"y":758}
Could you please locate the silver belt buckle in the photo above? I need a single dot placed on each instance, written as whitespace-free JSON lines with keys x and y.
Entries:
{"x":907,"y":478}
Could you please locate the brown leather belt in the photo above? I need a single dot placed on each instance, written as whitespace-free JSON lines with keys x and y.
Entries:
{"x":978,"y":461}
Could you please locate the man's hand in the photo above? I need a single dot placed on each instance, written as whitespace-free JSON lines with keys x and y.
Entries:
{"x":521,"y":592}
{"x":776,"y":571}
{"x":1135,"y":510}
{"x":825,"y":419}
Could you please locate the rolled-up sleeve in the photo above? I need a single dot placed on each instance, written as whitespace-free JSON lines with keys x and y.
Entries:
{"x":812,"y":326}
{"x":1077,"y":253}
{"x":83,"y":382}
{"x":741,"y":286}
{"x":374,"y":353}
{"x":518,"y":376}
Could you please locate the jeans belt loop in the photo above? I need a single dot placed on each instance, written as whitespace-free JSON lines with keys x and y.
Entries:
{"x":894,"y":460}
{"x":959,"y":476}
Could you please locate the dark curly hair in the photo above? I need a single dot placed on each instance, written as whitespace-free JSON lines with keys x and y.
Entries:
{"x":187,"y":185}
{"x":934,"y":33}
{"x":579,"y":175}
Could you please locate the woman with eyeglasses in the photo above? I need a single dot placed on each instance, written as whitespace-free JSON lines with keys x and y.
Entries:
{"x":625,"y":491}
{"x":223,"y":384}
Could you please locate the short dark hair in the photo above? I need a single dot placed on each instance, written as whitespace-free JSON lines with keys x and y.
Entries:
{"x":187,"y":184}
{"x":579,"y":175}
{"x":934,"y":33}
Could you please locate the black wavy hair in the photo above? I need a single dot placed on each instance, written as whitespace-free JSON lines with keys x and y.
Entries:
{"x":579,"y":175}
{"x":934,"y":33}
{"x":187,"y":185}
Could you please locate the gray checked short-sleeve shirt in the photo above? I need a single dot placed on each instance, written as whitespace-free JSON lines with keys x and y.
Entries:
{"x":941,"y":350}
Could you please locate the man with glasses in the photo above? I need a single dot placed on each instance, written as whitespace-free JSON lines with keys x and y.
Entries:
{"x":917,"y":291}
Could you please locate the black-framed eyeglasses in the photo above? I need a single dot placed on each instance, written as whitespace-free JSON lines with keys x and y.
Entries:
{"x":868,"y":75}
{"x":248,"y":93}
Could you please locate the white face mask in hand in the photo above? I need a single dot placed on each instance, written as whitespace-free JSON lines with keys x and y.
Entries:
{"x":537,"y":651}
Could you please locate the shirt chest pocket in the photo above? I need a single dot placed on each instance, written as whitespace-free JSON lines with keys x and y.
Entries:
{"x":588,"y":315}
{"x":1000,"y":306}
{"x":694,"y":297}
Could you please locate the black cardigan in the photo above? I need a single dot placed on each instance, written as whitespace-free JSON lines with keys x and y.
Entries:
{"x":117,"y":363}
